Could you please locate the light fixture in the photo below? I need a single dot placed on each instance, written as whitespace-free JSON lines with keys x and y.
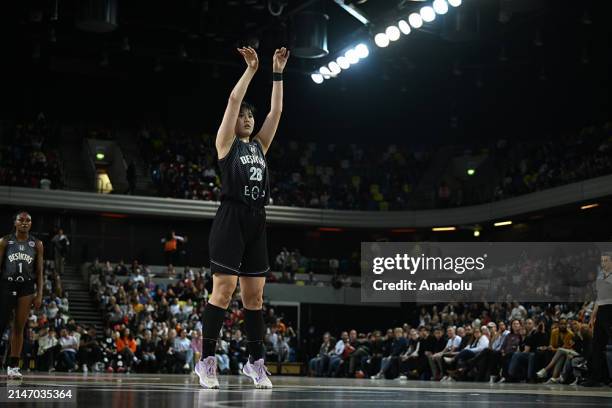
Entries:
{"x":587,"y":206}
{"x":454,"y":3}
{"x":476,"y":233}
{"x":440,"y":229}
{"x":471,"y":172}
{"x":404,"y":27}
{"x":393,"y":33}
{"x":362,"y":51}
{"x":343,"y":62}
{"x":351,"y":56}
{"x":427,"y":14}
{"x":325,"y":71}
{"x":381,"y":40}
{"x":334,"y":68}
{"x":317,"y":78}
{"x":440,"y":6}
{"x":502,"y":223}
{"x":100,"y":156}
{"x":415,"y":20}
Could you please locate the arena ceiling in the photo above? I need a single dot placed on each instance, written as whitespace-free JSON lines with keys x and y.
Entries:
{"x":527,"y":62}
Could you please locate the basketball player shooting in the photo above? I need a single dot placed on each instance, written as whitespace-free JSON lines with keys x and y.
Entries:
{"x":237,"y":243}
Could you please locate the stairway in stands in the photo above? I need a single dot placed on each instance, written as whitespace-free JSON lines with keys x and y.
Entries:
{"x":78,"y":172}
{"x":129,"y":147}
{"x":83,"y":307}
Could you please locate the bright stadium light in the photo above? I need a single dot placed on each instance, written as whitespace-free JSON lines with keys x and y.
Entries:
{"x":454,"y":3}
{"x":334,"y":68}
{"x":317,"y":78}
{"x":428,"y":14}
{"x":404,"y":27}
{"x":393,"y":33}
{"x":343,"y":62}
{"x":351,"y":56}
{"x":415,"y":20}
{"x":381,"y":40}
{"x":362,"y":51}
{"x":325,"y":71}
{"x":440,"y":6}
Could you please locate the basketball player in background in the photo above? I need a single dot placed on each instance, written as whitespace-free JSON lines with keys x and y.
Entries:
{"x":237,"y":242}
{"x":21,"y":261}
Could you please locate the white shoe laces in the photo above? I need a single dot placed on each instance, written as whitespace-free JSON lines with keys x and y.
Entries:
{"x":261,"y":370}
{"x":211,"y":368}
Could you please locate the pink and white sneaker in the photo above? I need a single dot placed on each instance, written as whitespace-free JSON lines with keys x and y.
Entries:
{"x":258,"y":373}
{"x":207,"y":371}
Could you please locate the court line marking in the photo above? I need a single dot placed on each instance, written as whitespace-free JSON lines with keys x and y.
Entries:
{"x":297,"y":388}
{"x":224,"y":404}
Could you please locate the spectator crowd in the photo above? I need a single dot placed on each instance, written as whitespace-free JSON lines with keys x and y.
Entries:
{"x":340,"y":177}
{"x":156,"y":327}
{"x":497,"y":342}
{"x":28,"y":157}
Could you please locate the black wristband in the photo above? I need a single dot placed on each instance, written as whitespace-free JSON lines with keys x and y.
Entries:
{"x":277,"y":76}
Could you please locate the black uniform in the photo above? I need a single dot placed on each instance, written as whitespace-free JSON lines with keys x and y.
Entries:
{"x":18,"y":274}
{"x":238,"y":238}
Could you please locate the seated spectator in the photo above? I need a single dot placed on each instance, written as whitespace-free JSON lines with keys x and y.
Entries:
{"x":68,"y":351}
{"x":126,"y":348}
{"x":90,"y":352}
{"x":398,"y":347}
{"x":497,"y":357}
{"x":183,"y":350}
{"x":237,"y":352}
{"x":221,"y":353}
{"x":562,"y":344}
{"x":480,"y":342}
{"x":335,"y":356}
{"x":409,"y":360}
{"x":47,"y":349}
{"x":437,"y":359}
{"x":146,"y":353}
{"x":522,"y":364}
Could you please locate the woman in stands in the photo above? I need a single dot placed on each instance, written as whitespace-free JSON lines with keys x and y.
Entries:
{"x":21,"y":261}
{"x":237,"y":243}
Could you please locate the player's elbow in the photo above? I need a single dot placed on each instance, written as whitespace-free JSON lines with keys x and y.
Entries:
{"x":276,"y":113}
{"x":234,"y":99}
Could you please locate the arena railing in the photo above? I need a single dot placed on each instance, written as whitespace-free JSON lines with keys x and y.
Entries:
{"x":579,"y":192}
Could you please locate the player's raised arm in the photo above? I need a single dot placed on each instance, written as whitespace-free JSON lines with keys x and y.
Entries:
{"x":268,"y":129}
{"x":226,"y":132}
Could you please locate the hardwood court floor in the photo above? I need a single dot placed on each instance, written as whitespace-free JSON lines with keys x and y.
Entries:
{"x":183,"y":391}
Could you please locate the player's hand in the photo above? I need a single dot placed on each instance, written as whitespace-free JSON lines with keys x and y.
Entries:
{"x":250,"y":57}
{"x":37,"y":301}
{"x":279,"y":60}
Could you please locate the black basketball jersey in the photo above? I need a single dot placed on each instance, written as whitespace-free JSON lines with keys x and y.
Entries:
{"x":19,"y":263}
{"x":244,"y":174}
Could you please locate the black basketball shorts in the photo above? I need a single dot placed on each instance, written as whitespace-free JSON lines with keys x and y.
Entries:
{"x":11,"y":291}
{"x":237,"y":241}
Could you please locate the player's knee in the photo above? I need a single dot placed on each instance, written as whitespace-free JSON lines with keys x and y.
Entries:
{"x":253,"y":302}
{"x":222,"y":296}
